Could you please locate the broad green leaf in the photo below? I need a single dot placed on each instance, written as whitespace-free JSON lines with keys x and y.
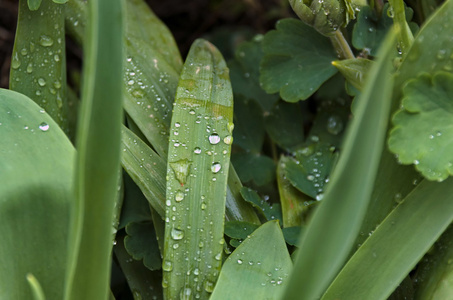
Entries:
{"x":434,"y":276}
{"x":334,"y":225}
{"x":239,"y":230}
{"x":285,"y":125}
{"x":38,"y":66}
{"x":254,"y":167}
{"x":270,"y":212}
{"x":98,"y":157}
{"x":400,"y":242}
{"x":292,"y":235}
{"x":197,"y":174}
{"x":244,"y":73}
{"x":143,"y":283}
{"x":293,"y":202}
{"x":422,"y":132}
{"x":297,"y":60}
{"x":141,"y":243}
{"x":257,"y":269}
{"x":248,"y":125}
{"x":36,"y":163}
{"x":354,"y":70}
{"x":146,"y":168}
{"x":309,"y":171}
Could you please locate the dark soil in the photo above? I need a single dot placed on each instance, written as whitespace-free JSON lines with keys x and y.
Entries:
{"x":187,"y":21}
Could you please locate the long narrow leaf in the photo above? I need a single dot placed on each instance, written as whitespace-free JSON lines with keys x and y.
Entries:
{"x":336,"y":223}
{"x":38,"y":66}
{"x":197,"y":174}
{"x":396,"y":246}
{"x":98,"y":160}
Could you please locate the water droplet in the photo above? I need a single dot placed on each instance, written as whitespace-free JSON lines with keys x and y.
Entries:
{"x":168,"y":203}
{"x":196,"y":271}
{"x":177,"y":234}
{"x":186,"y":293}
{"x":398,"y":198}
{"x":203,"y":206}
{"x":215,"y":168}
{"x":15,"y":63}
{"x":208,"y":286}
{"x":310,"y":177}
{"x":167,"y":265}
{"x":441,"y":54}
{"x":181,"y":169}
{"x":314,"y":138}
{"x":197,"y":150}
{"x":41,"y":81}
{"x":44,"y":126}
{"x":390,"y":12}
{"x":56,"y":57}
{"x":57,"y":84}
{"x":179,"y":196}
{"x":214,"y":139}
{"x":29,"y":68}
{"x":45,"y":41}
{"x":228,"y":140}
{"x":240,"y":261}
{"x":334,"y":124}
{"x":175,"y":246}
{"x":319,"y":197}
{"x":218,"y":256}
{"x":24,"y":51}
{"x":416,"y":162}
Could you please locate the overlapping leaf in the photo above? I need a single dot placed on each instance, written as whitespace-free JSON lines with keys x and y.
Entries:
{"x":297,"y":60}
{"x":422,"y":130}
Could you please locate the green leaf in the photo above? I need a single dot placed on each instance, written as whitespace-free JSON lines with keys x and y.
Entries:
{"x":334,"y":225}
{"x":421,"y":134}
{"x":98,"y":155}
{"x":239,"y":230}
{"x":38,"y":293}
{"x":258,"y":268}
{"x":297,"y":60}
{"x":400,"y":242}
{"x":38,"y":66}
{"x":141,"y":243}
{"x":370,"y":29}
{"x":285,"y":125}
{"x":146,"y":168}
{"x":270,"y":212}
{"x":310,"y":171}
{"x":293,"y":202}
{"x":434,"y":274}
{"x":248,"y":125}
{"x":244,"y":73}
{"x":37,"y":161}
{"x":292,"y":235}
{"x":354,"y":70}
{"x":197,"y":174}
{"x":143,"y":283}
{"x":252,"y":167}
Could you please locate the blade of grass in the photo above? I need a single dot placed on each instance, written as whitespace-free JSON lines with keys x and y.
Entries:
{"x":36,"y":163}
{"x":396,"y":246}
{"x":98,"y":160}
{"x":197,"y":175}
{"x":336,"y":222}
{"x":38,"y":66}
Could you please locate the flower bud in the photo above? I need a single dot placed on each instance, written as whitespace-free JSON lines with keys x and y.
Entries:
{"x":326,"y":16}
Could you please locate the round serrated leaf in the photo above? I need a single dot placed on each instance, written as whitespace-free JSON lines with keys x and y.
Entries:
{"x":141,"y":243}
{"x":422,"y":132}
{"x":297,"y":60}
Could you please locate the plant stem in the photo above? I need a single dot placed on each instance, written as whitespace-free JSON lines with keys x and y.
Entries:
{"x":341,"y":45}
{"x":405,"y":37}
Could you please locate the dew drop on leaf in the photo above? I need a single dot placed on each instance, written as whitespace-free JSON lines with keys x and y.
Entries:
{"x":197,"y":150}
{"x":214,"y":139}
{"x":44,"y":126}
{"x":177,"y":234}
{"x":228,"y":140}
{"x":45,"y":41}
{"x":167,"y":265}
{"x":208,"y":286}
{"x":215,"y":168}
{"x":179,"y":196}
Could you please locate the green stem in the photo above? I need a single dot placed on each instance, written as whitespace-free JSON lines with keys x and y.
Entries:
{"x":341,"y":45}
{"x":405,"y":37}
